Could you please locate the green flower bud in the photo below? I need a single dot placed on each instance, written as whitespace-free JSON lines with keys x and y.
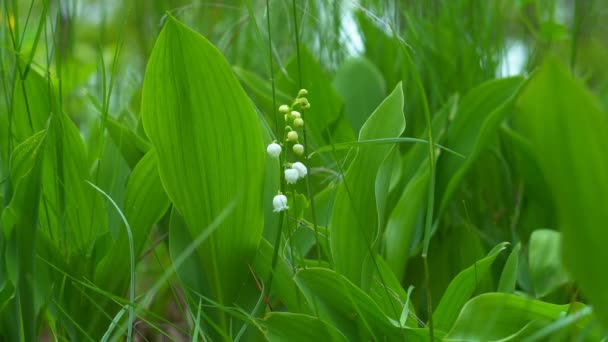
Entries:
{"x":298,"y":122}
{"x":284,"y":109}
{"x":292,"y":136}
{"x":298,"y":149}
{"x":296,"y":114}
{"x":302,"y":92}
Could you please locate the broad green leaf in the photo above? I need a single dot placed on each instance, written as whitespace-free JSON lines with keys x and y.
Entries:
{"x":283,"y":284}
{"x":261,"y":91}
{"x":388,"y":170}
{"x":350,"y":309}
{"x":407,"y":201}
{"x":31,"y":105}
{"x":402,"y":221}
{"x":567,"y":131}
{"x":285,"y":326}
{"x":132,"y":147}
{"x":361,"y":85}
{"x":462,"y":288}
{"x":544,"y":259}
{"x":508,"y":277}
{"x":502,"y":317}
{"x":353,"y":223}
{"x":72,"y":212}
{"x":145,"y":203}
{"x":387,"y":292}
{"x":324,"y":124}
{"x":479,"y":116}
{"x":19,"y":221}
{"x":210,"y":152}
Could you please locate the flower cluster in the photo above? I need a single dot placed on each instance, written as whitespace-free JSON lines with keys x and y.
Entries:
{"x":293,"y":121}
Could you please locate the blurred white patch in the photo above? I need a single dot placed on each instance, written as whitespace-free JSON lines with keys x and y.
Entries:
{"x":514,"y":61}
{"x":349,"y":33}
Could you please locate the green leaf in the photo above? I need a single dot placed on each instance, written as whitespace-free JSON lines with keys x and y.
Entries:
{"x":567,"y":129}
{"x":502,"y":316}
{"x":210,"y":152}
{"x":145,"y":204}
{"x":285,"y":326}
{"x":462,"y":288}
{"x":544,"y":259}
{"x":261,"y":91}
{"x":132,"y":147}
{"x":73,"y":214}
{"x":324,"y":124}
{"x":354,"y":218}
{"x":349,"y":308}
{"x":402,"y":221}
{"x":480,"y":113}
{"x":361,"y":85}
{"x":284,"y":285}
{"x":508,"y":278}
{"x":19,"y":222}
{"x":32,"y":105}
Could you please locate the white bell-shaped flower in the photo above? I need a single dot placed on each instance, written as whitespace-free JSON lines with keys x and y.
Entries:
{"x":279,"y":202}
{"x":301,"y":168}
{"x":291,"y":176}
{"x":274,"y":150}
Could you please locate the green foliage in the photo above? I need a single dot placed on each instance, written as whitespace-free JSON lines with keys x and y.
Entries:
{"x":190,"y":103}
{"x":141,"y":198}
{"x":566,"y":128}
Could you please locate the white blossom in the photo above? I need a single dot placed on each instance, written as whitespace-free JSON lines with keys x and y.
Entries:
{"x":301,"y":168}
{"x":274,"y":150}
{"x":292,"y":175}
{"x":279,"y":202}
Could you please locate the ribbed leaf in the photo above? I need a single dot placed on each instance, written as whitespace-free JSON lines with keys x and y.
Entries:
{"x":544,"y":260}
{"x":461,"y":288}
{"x":210,"y":151}
{"x":567,"y":131}
{"x":477,"y":120}
{"x":362,"y":87}
{"x":145,"y":203}
{"x":285,"y":326}
{"x":507,"y":317}
{"x":354,"y":218}
{"x":19,"y":222}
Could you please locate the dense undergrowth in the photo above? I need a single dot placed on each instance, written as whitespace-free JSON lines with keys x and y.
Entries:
{"x":304,"y":170}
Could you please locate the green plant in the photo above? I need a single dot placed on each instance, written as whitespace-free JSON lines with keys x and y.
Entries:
{"x":303,"y":170}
